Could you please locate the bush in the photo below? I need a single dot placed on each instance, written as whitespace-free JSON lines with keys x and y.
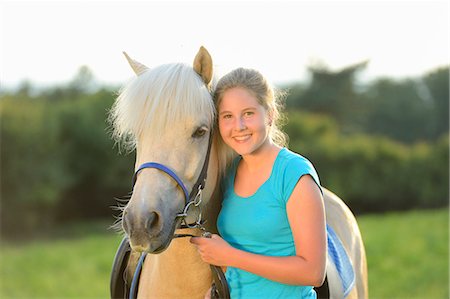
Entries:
{"x":31,"y":179}
{"x":58,"y":162}
{"x":372,"y":173}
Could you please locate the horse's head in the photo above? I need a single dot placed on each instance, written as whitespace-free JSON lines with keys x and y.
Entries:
{"x":168,"y":115}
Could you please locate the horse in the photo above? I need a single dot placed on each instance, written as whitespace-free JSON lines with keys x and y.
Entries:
{"x":167,"y":115}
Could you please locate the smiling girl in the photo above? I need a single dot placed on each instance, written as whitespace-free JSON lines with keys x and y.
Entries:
{"x":272,"y":220}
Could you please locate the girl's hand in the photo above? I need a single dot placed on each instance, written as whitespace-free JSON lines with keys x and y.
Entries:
{"x":214,"y":250}
{"x":208,"y":293}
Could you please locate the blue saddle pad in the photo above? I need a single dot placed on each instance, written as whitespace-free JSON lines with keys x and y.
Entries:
{"x":338,"y":255}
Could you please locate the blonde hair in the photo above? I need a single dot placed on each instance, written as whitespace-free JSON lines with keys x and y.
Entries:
{"x":267,"y":96}
{"x":155,"y":99}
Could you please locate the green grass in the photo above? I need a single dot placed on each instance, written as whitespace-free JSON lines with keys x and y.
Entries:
{"x":407,"y":254}
{"x":407,"y":258}
{"x":74,"y":267}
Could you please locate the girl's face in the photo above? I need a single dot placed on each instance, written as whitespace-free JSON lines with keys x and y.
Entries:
{"x":242,"y":121}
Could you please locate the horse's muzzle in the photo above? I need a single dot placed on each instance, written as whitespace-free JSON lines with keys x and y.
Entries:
{"x":150,"y":223}
{"x":145,"y":231}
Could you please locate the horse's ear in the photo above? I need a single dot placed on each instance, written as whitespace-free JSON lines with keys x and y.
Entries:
{"x":203,"y":65}
{"x":137,"y":67}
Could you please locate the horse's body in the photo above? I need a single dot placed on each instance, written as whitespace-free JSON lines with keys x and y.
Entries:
{"x":178,"y":139}
{"x":341,"y":219}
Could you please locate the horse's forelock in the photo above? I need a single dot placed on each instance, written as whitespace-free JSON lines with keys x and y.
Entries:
{"x":157,"y":98}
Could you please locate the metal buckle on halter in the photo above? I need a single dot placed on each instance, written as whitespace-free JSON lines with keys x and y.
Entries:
{"x":196,"y":204}
{"x":198,"y":197}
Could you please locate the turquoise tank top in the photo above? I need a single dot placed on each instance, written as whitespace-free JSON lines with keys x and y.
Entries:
{"x":259,"y":224}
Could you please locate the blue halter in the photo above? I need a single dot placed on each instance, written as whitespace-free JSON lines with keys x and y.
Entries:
{"x":220,"y":287}
{"x":194,"y":198}
{"x":165,"y":169}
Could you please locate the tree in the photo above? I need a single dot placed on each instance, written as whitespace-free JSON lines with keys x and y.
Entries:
{"x":437,"y":83}
{"x":333,"y":93}
{"x":399,"y":110}
{"x":83,"y":83}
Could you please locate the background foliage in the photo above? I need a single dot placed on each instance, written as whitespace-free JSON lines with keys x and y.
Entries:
{"x":381,"y":145}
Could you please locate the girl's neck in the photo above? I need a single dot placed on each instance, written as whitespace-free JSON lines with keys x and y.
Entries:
{"x":264,"y":155}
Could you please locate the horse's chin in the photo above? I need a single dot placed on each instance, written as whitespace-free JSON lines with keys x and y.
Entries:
{"x":160,"y":249}
{"x":160,"y":244}
{"x":153,"y":246}
{"x":156,"y":244}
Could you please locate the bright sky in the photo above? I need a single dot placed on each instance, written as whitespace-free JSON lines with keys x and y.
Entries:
{"x":47,"y":42}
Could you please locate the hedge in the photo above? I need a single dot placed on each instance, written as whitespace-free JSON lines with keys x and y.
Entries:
{"x":58,"y":163}
{"x":372,"y":173}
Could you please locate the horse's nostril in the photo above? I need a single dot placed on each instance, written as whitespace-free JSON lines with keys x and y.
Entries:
{"x":152,"y":225}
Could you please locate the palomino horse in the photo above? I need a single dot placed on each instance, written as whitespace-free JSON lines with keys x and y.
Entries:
{"x":167,"y":115}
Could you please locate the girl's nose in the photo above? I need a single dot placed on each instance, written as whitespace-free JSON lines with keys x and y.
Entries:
{"x":240,"y":124}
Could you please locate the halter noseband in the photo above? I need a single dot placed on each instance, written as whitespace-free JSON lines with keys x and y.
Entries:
{"x":193,"y":198}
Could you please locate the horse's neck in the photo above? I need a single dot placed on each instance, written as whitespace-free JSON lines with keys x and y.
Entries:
{"x":177,"y":272}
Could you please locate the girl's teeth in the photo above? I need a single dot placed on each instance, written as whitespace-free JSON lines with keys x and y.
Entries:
{"x":242,"y":138}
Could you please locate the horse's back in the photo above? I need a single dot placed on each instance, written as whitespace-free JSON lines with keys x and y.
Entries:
{"x":343,"y":222}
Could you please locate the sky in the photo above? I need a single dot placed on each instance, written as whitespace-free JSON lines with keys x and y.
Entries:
{"x":46,"y":42}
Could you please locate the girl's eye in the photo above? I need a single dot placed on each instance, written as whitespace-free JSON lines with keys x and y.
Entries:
{"x":226,"y":116}
{"x":248,"y":113}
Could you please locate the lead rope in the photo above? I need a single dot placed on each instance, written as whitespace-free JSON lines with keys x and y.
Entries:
{"x":219,"y":279}
{"x":136,"y":276}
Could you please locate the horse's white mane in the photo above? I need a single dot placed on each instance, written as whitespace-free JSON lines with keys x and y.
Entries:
{"x":157,"y":98}
{"x":161,"y":96}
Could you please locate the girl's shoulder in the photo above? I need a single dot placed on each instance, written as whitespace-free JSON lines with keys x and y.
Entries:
{"x":289,"y":168}
{"x":289,"y":160}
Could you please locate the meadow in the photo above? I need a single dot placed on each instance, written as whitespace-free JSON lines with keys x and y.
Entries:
{"x":408,"y":257}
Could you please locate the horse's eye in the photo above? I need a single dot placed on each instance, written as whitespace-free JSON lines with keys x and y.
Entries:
{"x":200,"y":132}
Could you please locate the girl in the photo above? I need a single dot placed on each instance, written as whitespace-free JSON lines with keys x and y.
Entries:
{"x":272,"y":219}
